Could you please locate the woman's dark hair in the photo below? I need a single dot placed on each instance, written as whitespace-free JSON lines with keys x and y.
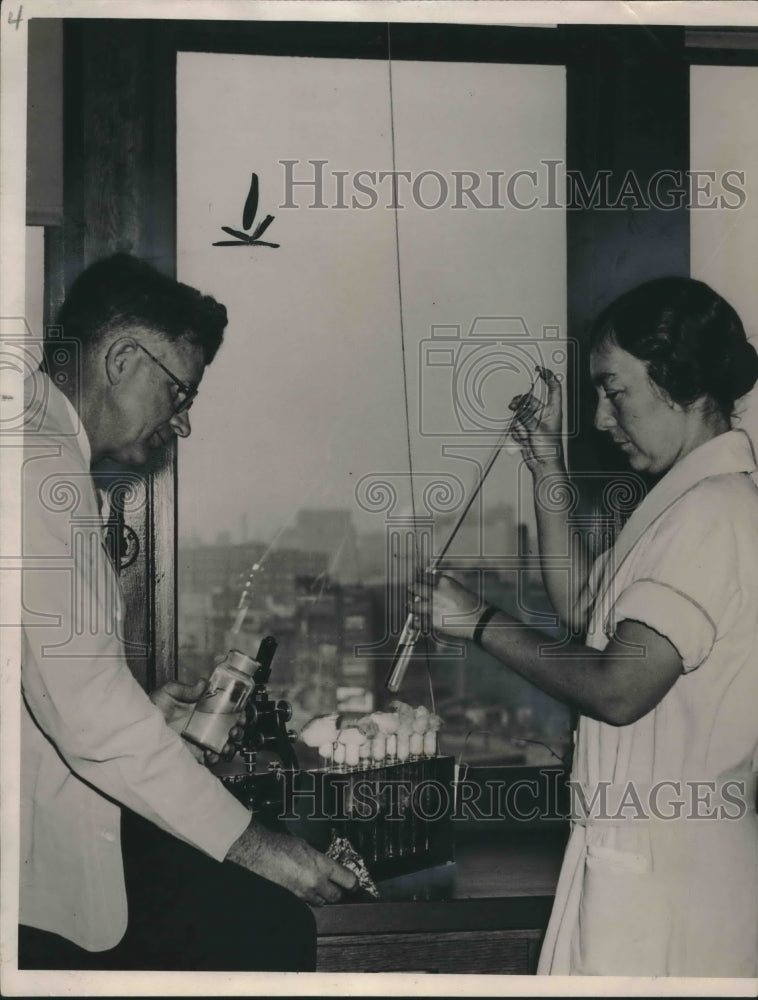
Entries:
{"x":122,"y":290}
{"x":692,"y":340}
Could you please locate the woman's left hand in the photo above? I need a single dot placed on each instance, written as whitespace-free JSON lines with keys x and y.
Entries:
{"x":442,"y":603}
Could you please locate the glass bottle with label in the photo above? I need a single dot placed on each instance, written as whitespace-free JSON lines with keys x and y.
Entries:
{"x":215,"y":714}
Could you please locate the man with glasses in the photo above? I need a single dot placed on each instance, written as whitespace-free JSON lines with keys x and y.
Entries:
{"x":133,"y":855}
{"x":186,"y":393}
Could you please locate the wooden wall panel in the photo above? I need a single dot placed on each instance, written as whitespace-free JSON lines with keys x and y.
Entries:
{"x":119,"y":196}
{"x":44,"y":124}
{"x":627,"y":112}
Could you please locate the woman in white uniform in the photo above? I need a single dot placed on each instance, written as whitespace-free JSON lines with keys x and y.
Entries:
{"x":660,"y":875}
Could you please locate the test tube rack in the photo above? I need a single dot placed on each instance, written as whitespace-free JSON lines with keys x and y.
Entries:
{"x":397,"y":815}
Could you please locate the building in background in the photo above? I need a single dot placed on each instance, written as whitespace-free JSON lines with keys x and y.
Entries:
{"x":318,"y":621}
{"x":328,"y":531}
{"x":336,"y":634}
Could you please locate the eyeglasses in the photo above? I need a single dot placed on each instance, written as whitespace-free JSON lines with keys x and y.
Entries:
{"x":187,"y":392}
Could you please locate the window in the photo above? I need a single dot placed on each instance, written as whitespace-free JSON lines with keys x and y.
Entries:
{"x":369,"y":359}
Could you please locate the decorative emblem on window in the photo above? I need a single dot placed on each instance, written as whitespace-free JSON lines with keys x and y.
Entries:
{"x":249,"y":239}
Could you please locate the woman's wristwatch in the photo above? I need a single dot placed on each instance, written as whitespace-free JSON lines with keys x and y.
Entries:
{"x":489,"y":612}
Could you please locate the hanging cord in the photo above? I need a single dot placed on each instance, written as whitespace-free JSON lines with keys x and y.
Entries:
{"x":400,"y":297}
{"x":516,"y":740}
{"x":470,"y":733}
{"x":416,"y":546}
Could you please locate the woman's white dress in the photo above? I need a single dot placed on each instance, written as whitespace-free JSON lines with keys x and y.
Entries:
{"x":639,"y":893}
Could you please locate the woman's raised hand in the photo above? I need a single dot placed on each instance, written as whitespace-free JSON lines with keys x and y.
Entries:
{"x":537,"y":426}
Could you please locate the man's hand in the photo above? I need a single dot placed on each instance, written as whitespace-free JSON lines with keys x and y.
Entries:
{"x":176,"y":701}
{"x":291,"y":863}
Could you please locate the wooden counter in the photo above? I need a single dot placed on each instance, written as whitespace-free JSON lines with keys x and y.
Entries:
{"x":484,"y":913}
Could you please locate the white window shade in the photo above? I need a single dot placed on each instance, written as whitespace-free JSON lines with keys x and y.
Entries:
{"x":370,"y":358}
{"x":307,"y":394}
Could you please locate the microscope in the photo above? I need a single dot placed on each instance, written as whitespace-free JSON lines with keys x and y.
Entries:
{"x":265,"y":733}
{"x":388,"y":809}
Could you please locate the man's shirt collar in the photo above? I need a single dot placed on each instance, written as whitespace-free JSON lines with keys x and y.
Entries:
{"x":58,"y":410}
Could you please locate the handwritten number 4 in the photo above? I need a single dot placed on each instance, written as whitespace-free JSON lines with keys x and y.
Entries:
{"x":248,"y":218}
{"x":18,"y":18}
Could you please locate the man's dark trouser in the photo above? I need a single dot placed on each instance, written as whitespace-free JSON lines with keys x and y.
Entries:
{"x":188,"y":912}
